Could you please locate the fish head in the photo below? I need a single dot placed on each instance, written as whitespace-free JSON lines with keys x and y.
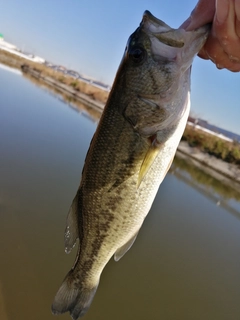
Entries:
{"x":156,"y":70}
{"x":159,"y":49}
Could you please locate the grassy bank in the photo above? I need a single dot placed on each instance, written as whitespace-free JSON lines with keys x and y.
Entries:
{"x":213,"y":145}
{"x":78,"y":85}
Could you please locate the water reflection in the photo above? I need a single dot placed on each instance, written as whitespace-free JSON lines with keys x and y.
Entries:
{"x":202,"y":179}
{"x":92,"y":113}
{"x":10,"y":69}
{"x":185,"y":263}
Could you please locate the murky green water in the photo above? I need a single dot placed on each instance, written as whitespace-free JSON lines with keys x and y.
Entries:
{"x":185,"y":264}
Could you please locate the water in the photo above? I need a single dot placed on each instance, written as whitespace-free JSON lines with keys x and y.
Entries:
{"x":185,"y":264}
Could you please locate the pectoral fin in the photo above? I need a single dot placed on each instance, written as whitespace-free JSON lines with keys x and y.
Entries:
{"x":71,"y":231}
{"x":122,"y":250}
{"x":147,"y":162}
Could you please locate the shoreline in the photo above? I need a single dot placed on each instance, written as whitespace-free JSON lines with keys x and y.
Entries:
{"x":228,"y":170}
{"x":84,"y":98}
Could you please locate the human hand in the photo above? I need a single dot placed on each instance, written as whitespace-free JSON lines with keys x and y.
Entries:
{"x":223,"y":44}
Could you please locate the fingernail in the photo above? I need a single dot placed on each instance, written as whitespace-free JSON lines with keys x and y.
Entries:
{"x":237,"y":9}
{"x":222,"y":8}
{"x":219,"y":66}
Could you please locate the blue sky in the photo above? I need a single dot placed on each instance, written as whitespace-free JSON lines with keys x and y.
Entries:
{"x":90,"y":36}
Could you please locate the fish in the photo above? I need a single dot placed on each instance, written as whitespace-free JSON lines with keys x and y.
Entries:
{"x":129,"y":155}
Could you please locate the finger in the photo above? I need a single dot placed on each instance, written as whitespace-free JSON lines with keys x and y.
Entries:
{"x":225,"y":31}
{"x":223,"y":62}
{"x":202,"y":54}
{"x":222,"y":10}
{"x":237,"y":17}
{"x":202,"y":14}
{"x":237,"y":9}
{"x":213,"y":50}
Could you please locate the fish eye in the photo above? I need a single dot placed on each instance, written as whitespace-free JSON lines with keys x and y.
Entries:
{"x":137,"y":54}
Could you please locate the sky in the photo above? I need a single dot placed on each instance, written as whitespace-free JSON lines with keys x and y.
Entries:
{"x":89,"y":36}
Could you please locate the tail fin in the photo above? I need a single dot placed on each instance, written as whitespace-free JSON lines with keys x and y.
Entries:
{"x":72,"y":298}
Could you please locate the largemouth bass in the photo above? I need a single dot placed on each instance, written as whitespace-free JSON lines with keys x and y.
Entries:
{"x":130,"y":154}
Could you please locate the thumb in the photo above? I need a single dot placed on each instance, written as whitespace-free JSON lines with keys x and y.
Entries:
{"x":202,"y":14}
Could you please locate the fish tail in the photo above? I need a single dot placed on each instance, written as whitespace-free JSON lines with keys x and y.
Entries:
{"x":70,"y":297}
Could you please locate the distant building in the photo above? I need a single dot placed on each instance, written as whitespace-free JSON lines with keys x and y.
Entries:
{"x":38,"y":59}
{"x":62,"y":68}
{"x":13,"y":49}
{"x":203,"y":125}
{"x":6,"y":45}
{"x":73,"y":73}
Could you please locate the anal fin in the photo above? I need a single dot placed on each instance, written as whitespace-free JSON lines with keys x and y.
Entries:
{"x":122,"y":250}
{"x":71,"y":232}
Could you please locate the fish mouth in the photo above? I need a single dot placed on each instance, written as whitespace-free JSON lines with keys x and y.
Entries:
{"x":162,"y":31}
{"x":173,"y":44}
{"x":167,"y":35}
{"x":147,"y":16}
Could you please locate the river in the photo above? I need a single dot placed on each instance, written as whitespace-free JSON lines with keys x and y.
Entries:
{"x":185,"y":263}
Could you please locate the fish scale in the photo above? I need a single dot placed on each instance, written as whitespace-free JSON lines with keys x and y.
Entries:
{"x":129,"y":155}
